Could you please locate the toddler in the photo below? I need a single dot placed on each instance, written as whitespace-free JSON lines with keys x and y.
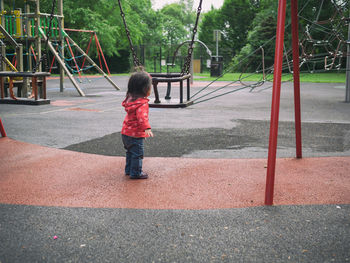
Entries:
{"x":136,"y":126}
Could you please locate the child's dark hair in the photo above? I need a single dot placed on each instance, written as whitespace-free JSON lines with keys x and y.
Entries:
{"x":139,"y":84}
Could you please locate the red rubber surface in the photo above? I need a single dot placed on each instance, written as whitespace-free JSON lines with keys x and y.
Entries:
{"x":36,"y":175}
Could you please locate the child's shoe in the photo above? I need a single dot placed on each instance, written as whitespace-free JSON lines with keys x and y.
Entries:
{"x":141,"y":176}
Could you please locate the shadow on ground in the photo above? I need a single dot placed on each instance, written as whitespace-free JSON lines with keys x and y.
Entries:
{"x":317,"y":138}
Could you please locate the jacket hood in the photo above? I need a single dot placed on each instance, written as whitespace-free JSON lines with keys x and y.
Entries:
{"x":131,"y":106}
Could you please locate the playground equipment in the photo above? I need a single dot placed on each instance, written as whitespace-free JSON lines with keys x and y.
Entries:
{"x":173,"y":77}
{"x":93,"y":36}
{"x":22,"y":78}
{"x":26,"y":32}
{"x":167,"y":77}
{"x":270,"y":178}
{"x":271,"y":163}
{"x":189,"y":42}
{"x":335,"y":52}
{"x":34,"y":82}
{"x":332,"y":41}
{"x":277,"y":89}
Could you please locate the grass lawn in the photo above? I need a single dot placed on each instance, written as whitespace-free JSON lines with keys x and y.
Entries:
{"x":327,"y":77}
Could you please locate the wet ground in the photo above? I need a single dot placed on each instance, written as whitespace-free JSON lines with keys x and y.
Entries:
{"x":248,"y":139}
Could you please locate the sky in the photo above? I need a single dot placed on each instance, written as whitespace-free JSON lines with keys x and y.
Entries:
{"x":206,"y":4}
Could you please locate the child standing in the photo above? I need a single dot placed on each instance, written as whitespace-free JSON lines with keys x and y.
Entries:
{"x":136,"y":126}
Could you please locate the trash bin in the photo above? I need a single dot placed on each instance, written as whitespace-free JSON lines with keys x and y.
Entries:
{"x":216,"y":67}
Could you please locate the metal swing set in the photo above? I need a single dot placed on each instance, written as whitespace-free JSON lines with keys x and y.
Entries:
{"x":333,"y":54}
{"x":183,"y":76}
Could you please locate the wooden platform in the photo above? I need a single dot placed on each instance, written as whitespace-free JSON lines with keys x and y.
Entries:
{"x":32,"y":100}
{"x":24,"y":101}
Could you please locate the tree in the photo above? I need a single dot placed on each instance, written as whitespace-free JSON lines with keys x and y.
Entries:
{"x":259,"y":39}
{"x":210,"y":22}
{"x":318,"y":26}
{"x":234,"y":20}
{"x":175,"y":18}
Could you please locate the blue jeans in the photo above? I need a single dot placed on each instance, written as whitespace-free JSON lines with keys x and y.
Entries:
{"x":134,"y":155}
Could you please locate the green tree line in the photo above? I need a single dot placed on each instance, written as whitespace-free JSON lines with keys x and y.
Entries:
{"x":245,"y":26}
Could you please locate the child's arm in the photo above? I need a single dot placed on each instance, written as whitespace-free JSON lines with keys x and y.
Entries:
{"x":142,"y":118}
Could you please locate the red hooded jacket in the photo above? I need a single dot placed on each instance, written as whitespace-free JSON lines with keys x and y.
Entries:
{"x":136,"y":119}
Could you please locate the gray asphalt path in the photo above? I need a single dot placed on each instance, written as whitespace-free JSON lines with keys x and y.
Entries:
{"x":262,"y":234}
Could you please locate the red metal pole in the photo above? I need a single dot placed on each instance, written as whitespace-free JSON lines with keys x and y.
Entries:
{"x":53,"y":60}
{"x":75,"y":62}
{"x":276,"y":91}
{"x":296,"y":76}
{"x":2,"y":129}
{"x":103,"y":57}
{"x":88,"y":48}
{"x":31,"y":48}
{"x":98,"y":51}
{"x":14,"y":61}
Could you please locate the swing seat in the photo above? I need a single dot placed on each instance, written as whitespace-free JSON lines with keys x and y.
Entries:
{"x":170,"y":78}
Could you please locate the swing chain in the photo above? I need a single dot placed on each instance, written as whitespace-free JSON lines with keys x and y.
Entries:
{"x":136,"y":61}
{"x":187,"y":64}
